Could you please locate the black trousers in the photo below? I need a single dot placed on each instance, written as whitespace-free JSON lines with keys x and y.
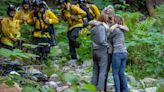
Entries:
{"x":73,"y":44}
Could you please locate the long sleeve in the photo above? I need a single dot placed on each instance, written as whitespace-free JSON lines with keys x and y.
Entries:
{"x":102,"y":39}
{"x":96,"y":10}
{"x":124,"y":28}
{"x":51,"y":17}
{"x":78,"y":11}
{"x":5,"y":29}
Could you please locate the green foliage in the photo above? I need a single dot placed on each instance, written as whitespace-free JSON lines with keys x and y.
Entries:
{"x":87,"y":88}
{"x":145,"y":44}
{"x":160,"y":89}
{"x":84,"y":39}
{"x":71,"y":78}
{"x":103,"y":4}
{"x":15,"y":54}
{"x":4,"y":4}
{"x":26,"y":32}
{"x":160,"y":18}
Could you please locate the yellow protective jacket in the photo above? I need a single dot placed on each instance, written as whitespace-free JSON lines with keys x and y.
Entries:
{"x":75,"y":11}
{"x":93,"y":9}
{"x":10,"y":30}
{"x":40,"y":24}
{"x":27,"y":15}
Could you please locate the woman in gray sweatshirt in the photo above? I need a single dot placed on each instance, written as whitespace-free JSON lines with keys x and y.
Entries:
{"x":100,"y":56}
{"x":119,"y":56}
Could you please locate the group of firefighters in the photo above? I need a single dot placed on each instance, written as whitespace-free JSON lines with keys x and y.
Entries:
{"x":37,"y":13}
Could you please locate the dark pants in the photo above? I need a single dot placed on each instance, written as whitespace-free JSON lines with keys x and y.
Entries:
{"x":118,"y":70}
{"x":41,"y":40}
{"x":108,"y":69}
{"x":100,"y":67}
{"x":42,"y":50}
{"x":73,"y":44}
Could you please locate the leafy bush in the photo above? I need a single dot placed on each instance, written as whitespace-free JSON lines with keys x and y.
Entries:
{"x":16,"y":54}
{"x":145,"y":44}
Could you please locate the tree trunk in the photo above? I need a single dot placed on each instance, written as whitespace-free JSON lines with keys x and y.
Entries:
{"x":150,"y":7}
{"x":151,"y":4}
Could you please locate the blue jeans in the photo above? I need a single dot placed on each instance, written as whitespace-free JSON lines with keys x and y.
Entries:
{"x":118,"y":70}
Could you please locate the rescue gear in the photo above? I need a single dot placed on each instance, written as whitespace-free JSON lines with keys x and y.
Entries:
{"x":24,"y":16}
{"x":25,"y":2}
{"x":73,"y":15}
{"x":10,"y":8}
{"x":10,"y":31}
{"x":36,"y":3}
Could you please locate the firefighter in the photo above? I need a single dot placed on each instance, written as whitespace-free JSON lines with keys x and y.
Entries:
{"x":25,"y":13}
{"x":42,"y":21}
{"x":72,"y":14}
{"x":10,"y":28}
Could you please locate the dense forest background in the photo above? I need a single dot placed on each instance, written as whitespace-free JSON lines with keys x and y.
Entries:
{"x":145,"y":43}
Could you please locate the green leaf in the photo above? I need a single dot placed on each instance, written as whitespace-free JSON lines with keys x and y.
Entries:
{"x":71,"y":78}
{"x":27,"y":89}
{"x":9,"y":82}
{"x":88,"y":88}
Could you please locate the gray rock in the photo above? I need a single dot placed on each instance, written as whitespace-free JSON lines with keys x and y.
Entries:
{"x":54,"y":77}
{"x":66,"y":68}
{"x":131,"y":79}
{"x":160,"y":82}
{"x":52,"y":84}
{"x":110,"y":87}
{"x":32,"y":71}
{"x":110,"y":78}
{"x":59,"y":83}
{"x":130,"y":87}
{"x":141,"y":84}
{"x":14,"y":73}
{"x":148,"y":80}
{"x":137,"y":90}
{"x":56,"y":66}
{"x":80,"y":71}
{"x":151,"y":89}
{"x":61,"y":89}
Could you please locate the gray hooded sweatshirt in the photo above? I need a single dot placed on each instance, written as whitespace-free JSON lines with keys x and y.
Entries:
{"x":99,"y":37}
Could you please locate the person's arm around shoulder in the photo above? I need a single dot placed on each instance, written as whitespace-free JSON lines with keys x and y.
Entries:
{"x":124,"y":28}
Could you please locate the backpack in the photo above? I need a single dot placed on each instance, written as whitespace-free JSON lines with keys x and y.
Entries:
{"x":84,"y":7}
